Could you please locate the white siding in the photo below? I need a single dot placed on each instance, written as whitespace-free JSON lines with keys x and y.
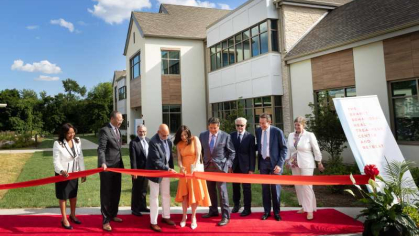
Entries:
{"x":259,"y":76}
{"x":301,"y":88}
{"x":122,"y":104}
{"x":250,"y":14}
{"x":193,"y":83}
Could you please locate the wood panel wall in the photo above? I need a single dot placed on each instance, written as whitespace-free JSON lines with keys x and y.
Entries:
{"x":401,"y":56}
{"x":135,"y":92}
{"x":171,"y":87}
{"x":333,"y":70}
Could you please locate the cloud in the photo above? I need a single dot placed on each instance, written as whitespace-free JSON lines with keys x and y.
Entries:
{"x":196,"y":3}
{"x":42,"y":66}
{"x":63,"y":23}
{"x":116,"y":11}
{"x":80,"y":22}
{"x":32,"y":27}
{"x":224,"y":6}
{"x":47,"y":78}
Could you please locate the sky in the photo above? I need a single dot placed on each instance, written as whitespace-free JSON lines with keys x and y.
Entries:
{"x":43,"y":42}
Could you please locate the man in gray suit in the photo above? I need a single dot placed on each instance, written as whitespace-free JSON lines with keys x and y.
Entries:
{"x":110,"y":155}
{"x":218,"y":152}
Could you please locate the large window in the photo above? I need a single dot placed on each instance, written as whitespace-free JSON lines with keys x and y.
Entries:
{"x":170,"y":62}
{"x":136,"y":66}
{"x":404,"y":96}
{"x":122,"y":93}
{"x":249,"y":43}
{"x":172,"y":116}
{"x":253,"y":108}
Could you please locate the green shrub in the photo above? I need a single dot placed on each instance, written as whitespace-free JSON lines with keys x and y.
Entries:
{"x":337,"y":167}
{"x":415,"y":174}
{"x":413,"y":213}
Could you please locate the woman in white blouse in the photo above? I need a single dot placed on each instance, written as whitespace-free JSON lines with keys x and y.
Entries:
{"x":68,"y":158}
{"x":303,"y":151}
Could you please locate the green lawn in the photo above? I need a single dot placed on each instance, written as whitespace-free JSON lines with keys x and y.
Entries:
{"x":40,"y":166}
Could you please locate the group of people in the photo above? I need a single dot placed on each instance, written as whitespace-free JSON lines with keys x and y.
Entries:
{"x":213,"y":149}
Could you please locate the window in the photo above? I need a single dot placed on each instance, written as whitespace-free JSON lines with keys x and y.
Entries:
{"x":133,"y":36}
{"x":170,"y":64}
{"x":122,"y":93}
{"x":124,"y":123}
{"x":253,"y":108}
{"x":251,"y":42}
{"x":405,"y":102}
{"x":172,"y":116}
{"x":325,"y":97}
{"x":136,"y":66}
{"x":274,"y":35}
{"x":115,"y":92}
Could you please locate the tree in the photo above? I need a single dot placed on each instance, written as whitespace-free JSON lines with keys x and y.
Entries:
{"x":98,"y":106}
{"x":71,"y":87}
{"x":325,"y":124}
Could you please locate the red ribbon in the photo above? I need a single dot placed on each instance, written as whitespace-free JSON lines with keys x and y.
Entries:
{"x":210,"y":176}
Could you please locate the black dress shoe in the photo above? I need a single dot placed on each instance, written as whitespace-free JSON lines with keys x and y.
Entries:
{"x":265,"y":216}
{"x":223,"y":222}
{"x":137,"y":213}
{"x":245,"y":212}
{"x":75,"y":220}
{"x":277,"y":217}
{"x":236,"y":209}
{"x":209,"y":215}
{"x":66,"y":227}
{"x":145,"y":210}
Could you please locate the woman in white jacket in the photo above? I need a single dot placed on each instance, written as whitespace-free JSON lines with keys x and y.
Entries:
{"x":303,"y":151}
{"x":68,"y":158}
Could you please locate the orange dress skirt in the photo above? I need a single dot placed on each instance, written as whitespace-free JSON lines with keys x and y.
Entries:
{"x":195,"y":189}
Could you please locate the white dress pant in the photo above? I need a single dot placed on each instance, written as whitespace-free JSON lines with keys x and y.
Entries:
{"x":164,"y":187}
{"x":305,"y":193}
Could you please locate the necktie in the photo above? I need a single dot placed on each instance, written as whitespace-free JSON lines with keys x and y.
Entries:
{"x":144,"y":143}
{"x":118,"y":137}
{"x":166,"y":147}
{"x":240,"y":137}
{"x":265,"y":144}
{"x":212,"y":143}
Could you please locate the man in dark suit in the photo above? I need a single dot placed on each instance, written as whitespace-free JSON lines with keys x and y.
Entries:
{"x":218,"y":152}
{"x":110,"y":155}
{"x":160,"y":158}
{"x":138,"y":151}
{"x":244,"y":163}
{"x":272,"y":150}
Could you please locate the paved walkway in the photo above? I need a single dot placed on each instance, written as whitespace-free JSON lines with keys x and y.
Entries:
{"x":86,"y":144}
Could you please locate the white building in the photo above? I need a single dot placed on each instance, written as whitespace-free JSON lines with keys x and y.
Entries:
{"x":165,"y":58}
{"x":120,"y":97}
{"x":365,"y":47}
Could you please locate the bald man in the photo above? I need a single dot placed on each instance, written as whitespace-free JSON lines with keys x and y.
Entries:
{"x":160,"y":158}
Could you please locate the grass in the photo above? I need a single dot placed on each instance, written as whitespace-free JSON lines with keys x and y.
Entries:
{"x":40,"y":166}
{"x":11,"y":167}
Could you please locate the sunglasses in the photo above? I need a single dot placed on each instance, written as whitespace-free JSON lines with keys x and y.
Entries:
{"x":239,"y":125}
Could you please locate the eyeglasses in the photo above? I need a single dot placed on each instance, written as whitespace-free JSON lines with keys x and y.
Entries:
{"x":239,"y":125}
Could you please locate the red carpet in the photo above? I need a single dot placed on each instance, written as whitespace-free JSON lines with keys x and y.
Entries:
{"x":326,"y":221}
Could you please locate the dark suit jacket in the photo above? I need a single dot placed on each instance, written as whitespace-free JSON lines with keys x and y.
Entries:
{"x":137,"y":153}
{"x":277,"y":146}
{"x":245,"y":151}
{"x":109,"y":149}
{"x":223,"y":154}
{"x":156,"y":159}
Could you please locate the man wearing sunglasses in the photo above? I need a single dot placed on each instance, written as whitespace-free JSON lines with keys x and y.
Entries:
{"x":244,"y":163}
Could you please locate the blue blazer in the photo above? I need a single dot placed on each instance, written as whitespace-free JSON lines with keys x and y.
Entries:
{"x":156,"y":159}
{"x":277,"y":146}
{"x":245,"y":152}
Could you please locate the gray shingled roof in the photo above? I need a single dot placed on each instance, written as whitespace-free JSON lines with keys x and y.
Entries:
{"x":176,"y":21}
{"x":356,"y":21}
{"x":118,"y":74}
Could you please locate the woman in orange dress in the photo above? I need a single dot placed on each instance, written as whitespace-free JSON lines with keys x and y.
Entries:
{"x":191,"y":192}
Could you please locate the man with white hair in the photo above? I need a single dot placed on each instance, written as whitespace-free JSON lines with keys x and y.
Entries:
{"x":244,"y":163}
{"x":138,"y":152}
